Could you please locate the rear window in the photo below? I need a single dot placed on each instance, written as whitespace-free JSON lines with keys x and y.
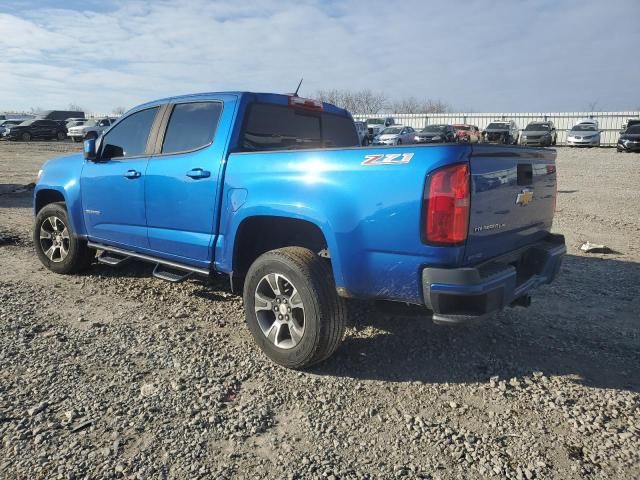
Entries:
{"x":275,"y":127}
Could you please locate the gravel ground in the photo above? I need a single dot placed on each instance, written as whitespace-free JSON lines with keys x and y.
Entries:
{"x":115,"y":374}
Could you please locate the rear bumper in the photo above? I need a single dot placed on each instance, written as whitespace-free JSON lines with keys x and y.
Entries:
{"x":462,"y":294}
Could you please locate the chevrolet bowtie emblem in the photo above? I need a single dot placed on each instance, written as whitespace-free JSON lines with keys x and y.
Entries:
{"x":524,"y":197}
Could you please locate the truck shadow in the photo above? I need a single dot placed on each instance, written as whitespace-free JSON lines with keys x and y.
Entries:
{"x":585,"y":325}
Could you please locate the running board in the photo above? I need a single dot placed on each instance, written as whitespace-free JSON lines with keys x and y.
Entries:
{"x":120,"y":252}
{"x":112,"y":259}
{"x":169,"y":274}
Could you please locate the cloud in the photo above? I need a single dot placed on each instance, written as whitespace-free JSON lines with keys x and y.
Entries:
{"x":537,"y":55}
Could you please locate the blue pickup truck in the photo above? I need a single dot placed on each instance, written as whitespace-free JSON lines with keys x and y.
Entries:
{"x":275,"y":192}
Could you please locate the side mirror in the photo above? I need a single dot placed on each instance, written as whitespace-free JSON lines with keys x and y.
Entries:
{"x":90,"y":149}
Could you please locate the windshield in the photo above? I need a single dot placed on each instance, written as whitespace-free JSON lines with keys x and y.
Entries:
{"x":585,"y":127}
{"x":635,"y":130}
{"x":501,"y":126}
{"x":391,"y":131}
{"x":434,"y":129}
{"x":537,"y":127}
{"x":461,"y":127}
{"x":375,"y":121}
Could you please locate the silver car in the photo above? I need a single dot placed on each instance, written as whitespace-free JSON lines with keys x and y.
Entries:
{"x":396,"y":135}
{"x":584,"y":134}
{"x":90,"y":129}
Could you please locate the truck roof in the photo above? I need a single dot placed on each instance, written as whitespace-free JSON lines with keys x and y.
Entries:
{"x":274,"y":98}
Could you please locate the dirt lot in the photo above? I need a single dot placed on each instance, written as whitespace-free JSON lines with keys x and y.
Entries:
{"x":115,"y":374}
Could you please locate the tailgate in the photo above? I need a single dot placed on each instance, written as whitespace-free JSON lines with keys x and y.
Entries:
{"x":513,"y":192}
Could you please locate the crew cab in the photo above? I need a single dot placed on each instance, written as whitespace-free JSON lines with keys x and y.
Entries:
{"x":275,"y":192}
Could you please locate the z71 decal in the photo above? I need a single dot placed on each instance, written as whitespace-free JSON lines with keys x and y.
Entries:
{"x":388,"y":159}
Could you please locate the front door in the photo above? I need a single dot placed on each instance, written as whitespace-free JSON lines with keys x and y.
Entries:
{"x":112,"y":187}
{"x":182,"y":182}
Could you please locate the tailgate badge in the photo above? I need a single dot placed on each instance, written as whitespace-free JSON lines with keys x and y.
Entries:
{"x":524,"y":198}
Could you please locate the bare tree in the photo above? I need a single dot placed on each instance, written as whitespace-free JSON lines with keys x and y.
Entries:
{"x":74,"y":107}
{"x":362,"y":101}
{"x":591,"y":106}
{"x":118,"y":110}
{"x":34,"y":110}
{"x":412,"y":105}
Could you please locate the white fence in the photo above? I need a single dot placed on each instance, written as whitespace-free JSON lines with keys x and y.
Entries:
{"x":610,"y":122}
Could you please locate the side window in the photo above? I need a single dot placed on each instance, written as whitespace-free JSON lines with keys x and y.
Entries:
{"x":191,"y":126}
{"x":129,"y":138}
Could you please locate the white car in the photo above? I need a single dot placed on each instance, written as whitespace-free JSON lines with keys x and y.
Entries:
{"x":584,"y":134}
{"x":90,"y":129}
{"x":396,"y":135}
{"x":376,"y":125}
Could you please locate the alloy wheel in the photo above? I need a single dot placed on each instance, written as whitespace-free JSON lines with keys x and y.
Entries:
{"x":54,"y":239}
{"x":279,"y":310}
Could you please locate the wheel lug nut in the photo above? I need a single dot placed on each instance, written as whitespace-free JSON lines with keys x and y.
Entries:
{"x":286,"y":317}
{"x":279,"y":300}
{"x":279,"y":317}
{"x":284,"y":300}
{"x":288,"y":309}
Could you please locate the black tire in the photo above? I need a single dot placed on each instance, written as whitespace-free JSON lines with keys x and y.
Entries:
{"x":325,"y":313}
{"x":26,"y":136}
{"x":399,"y":142}
{"x":61,"y":135}
{"x":78,"y":256}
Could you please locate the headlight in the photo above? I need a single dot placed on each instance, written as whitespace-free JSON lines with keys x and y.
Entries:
{"x":437,"y":137}
{"x":416,"y":138}
{"x":523,"y":137}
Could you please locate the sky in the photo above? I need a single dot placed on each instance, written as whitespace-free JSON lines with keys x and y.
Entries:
{"x":475,"y":55}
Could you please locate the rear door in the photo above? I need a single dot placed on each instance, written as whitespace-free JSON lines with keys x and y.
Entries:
{"x":182,"y":180}
{"x":113,"y":186}
{"x":513,"y":192}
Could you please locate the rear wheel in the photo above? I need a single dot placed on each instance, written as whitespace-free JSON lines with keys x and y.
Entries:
{"x":56,"y":246}
{"x":292,"y":308}
{"x":61,"y":135}
{"x":26,"y":136}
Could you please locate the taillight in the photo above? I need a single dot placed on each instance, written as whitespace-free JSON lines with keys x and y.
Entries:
{"x":446,"y":206}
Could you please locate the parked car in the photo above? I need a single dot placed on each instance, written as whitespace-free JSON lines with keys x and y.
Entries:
{"x":629,"y":141}
{"x":240,"y":184}
{"x":363,"y":133}
{"x":395,"y":135}
{"x":630,"y":123}
{"x":36,"y":128}
{"x":375,"y":125}
{"x":74,"y":122}
{"x":4,"y":124}
{"x":435,"y":134}
{"x":501,"y":131}
{"x":584,"y":133}
{"x":90,"y":129}
{"x":467,"y":133}
{"x":59,"y":114}
{"x":542,"y":134}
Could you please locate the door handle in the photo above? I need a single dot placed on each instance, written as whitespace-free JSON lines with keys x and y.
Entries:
{"x":132,"y":174}
{"x":198,"y":173}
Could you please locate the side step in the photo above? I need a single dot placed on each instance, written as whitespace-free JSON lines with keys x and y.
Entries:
{"x":170,"y":274}
{"x":112,"y":259}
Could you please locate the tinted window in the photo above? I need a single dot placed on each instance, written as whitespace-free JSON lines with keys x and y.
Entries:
{"x":272,"y":127}
{"x":338,"y":131}
{"x":191,"y":126}
{"x":129,"y":137}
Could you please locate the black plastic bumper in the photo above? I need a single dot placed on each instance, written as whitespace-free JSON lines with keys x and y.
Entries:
{"x":463,"y":294}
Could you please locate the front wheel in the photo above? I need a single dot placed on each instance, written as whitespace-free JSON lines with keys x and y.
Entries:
{"x":61,"y":135}
{"x":56,"y":246}
{"x":292,"y":308}
{"x":26,"y":136}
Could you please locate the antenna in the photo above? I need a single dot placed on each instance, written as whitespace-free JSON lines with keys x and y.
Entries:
{"x":296,"y":92}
